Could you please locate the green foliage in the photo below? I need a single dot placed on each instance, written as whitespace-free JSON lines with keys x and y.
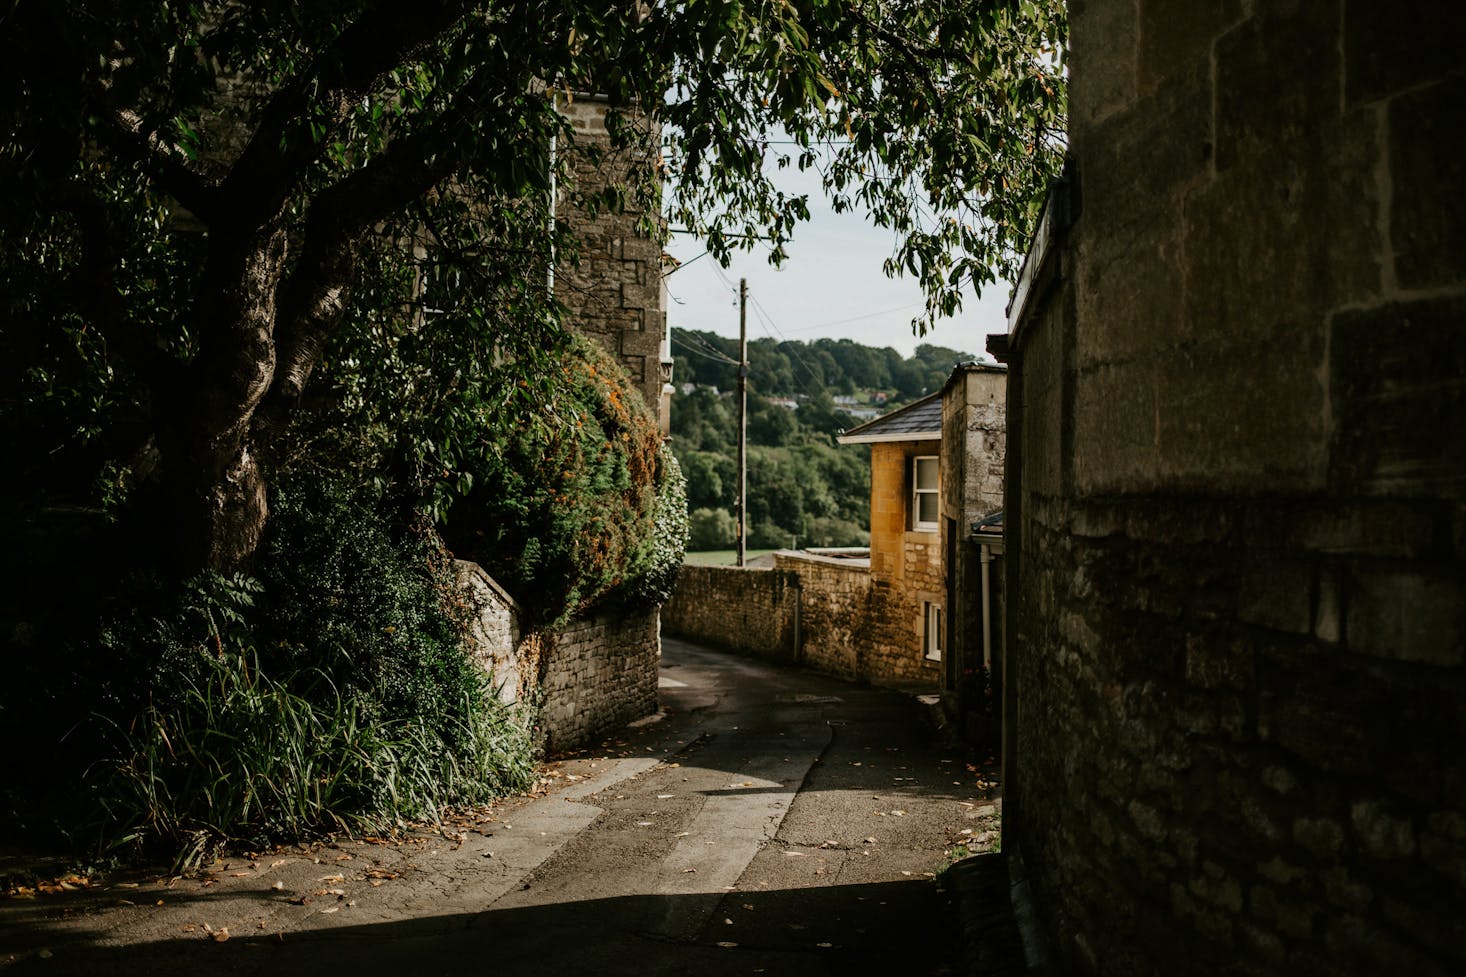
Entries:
{"x":652,"y":578}
{"x":563,"y":513}
{"x":712,"y":529}
{"x":236,"y":756}
{"x":801,"y":484}
{"x":350,"y":593}
{"x":330,"y":692}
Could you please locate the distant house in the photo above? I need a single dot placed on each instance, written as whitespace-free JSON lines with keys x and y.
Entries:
{"x":905,"y":533}
{"x":936,"y":469}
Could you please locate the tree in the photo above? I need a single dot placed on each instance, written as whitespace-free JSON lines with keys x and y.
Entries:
{"x":208,"y":203}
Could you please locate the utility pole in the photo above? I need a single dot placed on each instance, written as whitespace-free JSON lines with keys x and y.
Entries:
{"x":742,"y":420}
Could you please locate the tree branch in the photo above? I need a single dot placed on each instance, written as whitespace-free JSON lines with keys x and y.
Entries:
{"x":315,"y":294}
{"x":382,"y":38}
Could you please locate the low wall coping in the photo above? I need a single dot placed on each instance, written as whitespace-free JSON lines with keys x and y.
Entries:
{"x":848,"y":562}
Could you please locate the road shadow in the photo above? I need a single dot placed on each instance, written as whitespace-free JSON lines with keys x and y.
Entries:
{"x":890,"y":927}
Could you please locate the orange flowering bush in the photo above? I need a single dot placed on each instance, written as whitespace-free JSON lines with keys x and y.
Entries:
{"x":564,"y":510}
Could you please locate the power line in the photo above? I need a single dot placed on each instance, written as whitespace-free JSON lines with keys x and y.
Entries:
{"x":715,"y":354}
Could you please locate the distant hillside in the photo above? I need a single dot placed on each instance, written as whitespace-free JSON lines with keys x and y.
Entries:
{"x":792,"y":367}
{"x":803,"y":488}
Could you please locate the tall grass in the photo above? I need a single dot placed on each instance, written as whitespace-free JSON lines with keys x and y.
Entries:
{"x":237,"y":757}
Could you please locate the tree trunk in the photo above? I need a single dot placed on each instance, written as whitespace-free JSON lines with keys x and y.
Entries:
{"x":212,"y":471}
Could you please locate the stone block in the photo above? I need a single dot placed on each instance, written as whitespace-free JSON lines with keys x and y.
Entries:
{"x":1278,"y":76}
{"x":1408,"y":615}
{"x":1177,"y":35}
{"x":1364,"y":529}
{"x":1102,"y":38}
{"x":1214,"y":662}
{"x":1443,"y":844}
{"x":1230,"y":421}
{"x":1396,"y":371}
{"x":1380,"y":831}
{"x":1383,"y":51}
{"x":1115,"y":435}
{"x":1277,"y":594}
{"x":1321,"y":837}
{"x":1278,"y":240}
{"x":1427,"y":171}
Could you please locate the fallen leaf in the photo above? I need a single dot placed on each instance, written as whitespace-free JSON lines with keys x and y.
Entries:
{"x":825,"y":945}
{"x":221,"y":934}
{"x":727,"y":945}
{"x":870,"y":841}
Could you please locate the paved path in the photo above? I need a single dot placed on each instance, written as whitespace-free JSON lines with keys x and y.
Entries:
{"x":771,"y":822}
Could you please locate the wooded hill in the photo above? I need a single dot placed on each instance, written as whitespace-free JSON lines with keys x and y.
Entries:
{"x":803,"y":488}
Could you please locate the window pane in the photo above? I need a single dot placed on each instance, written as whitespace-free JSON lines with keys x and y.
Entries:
{"x":926,"y":473}
{"x":926,"y":507}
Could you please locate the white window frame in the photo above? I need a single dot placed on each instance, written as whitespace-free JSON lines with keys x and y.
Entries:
{"x":935,"y":491}
{"x":932,"y":630}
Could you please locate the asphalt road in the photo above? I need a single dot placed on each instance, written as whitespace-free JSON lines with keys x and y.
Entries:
{"x":771,"y":821}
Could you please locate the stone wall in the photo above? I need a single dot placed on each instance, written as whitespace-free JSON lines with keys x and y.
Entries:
{"x":750,"y":611}
{"x":822,"y":612}
{"x":591,"y":676}
{"x":597,"y":675}
{"x":615,"y":291}
{"x":1237,"y":498}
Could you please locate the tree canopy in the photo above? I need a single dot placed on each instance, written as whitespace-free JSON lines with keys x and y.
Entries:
{"x":207,"y":204}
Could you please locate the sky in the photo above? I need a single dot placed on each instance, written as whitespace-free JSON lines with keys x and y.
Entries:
{"x":831,"y":284}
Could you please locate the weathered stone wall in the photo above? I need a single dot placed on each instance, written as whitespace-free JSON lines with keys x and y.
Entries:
{"x":1239,"y":648}
{"x":821,"y":612}
{"x":493,"y":632}
{"x":751,"y":611}
{"x":615,"y":292}
{"x":974,"y":443}
{"x":598,"y":674}
{"x":594,"y":675}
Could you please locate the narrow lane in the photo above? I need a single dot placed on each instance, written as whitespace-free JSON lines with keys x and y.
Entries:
{"x":773,"y":821}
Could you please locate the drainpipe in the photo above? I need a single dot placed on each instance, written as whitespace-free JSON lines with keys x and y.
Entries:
{"x":987,"y":612}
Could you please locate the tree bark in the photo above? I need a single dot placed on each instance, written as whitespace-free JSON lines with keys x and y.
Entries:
{"x":212,"y":465}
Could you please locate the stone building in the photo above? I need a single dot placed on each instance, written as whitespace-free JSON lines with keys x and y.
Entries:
{"x":1236,"y":498}
{"x":906,"y":530}
{"x":597,"y":673}
{"x":973,"y":452}
{"x":614,"y":292}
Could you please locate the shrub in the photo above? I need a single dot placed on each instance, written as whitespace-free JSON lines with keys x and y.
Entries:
{"x":562,"y":511}
{"x":333,"y":692}
{"x":712,"y":529}
{"x":653,"y":575}
{"x":238,"y":756}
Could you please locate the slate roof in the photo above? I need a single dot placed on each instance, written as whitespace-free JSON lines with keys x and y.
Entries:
{"x":920,"y":420}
